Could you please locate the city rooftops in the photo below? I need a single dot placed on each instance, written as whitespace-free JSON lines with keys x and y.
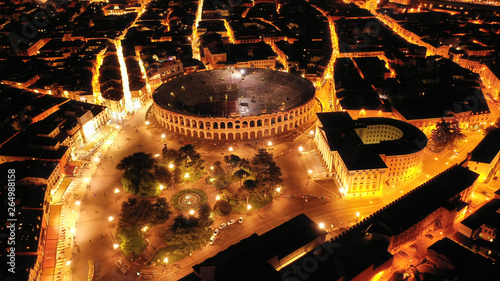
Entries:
{"x":464,"y":264}
{"x":422,"y":201}
{"x":488,"y":214}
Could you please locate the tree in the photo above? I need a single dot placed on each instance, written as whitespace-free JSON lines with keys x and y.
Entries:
{"x":232,"y":161}
{"x":222,"y":208}
{"x":163,"y":175}
{"x":188,"y":234}
{"x":241,"y":174}
{"x":266,"y":172}
{"x":131,"y":240}
{"x":445,"y":135}
{"x":204,"y":214}
{"x":138,"y":162}
{"x":139,"y":212}
{"x":220,"y":175}
{"x":492,"y":127}
{"x":148,"y":185}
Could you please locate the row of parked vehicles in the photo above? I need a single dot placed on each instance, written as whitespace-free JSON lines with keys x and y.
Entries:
{"x":222,"y":226}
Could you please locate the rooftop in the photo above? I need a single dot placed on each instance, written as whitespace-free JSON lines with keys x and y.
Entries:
{"x":339,"y":129}
{"x":488,"y":148}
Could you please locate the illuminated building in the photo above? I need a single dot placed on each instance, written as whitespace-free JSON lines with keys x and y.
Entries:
{"x":34,"y":182}
{"x":234,"y":104}
{"x":485,"y":156}
{"x":368,"y":154}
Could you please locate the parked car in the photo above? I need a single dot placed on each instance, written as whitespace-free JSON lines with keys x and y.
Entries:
{"x":428,"y":235}
{"x":222,"y":225}
{"x":212,"y":240}
{"x":216,"y":232}
{"x":240,"y":220}
{"x":230,"y":222}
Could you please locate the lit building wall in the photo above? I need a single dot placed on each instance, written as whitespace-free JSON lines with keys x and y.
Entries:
{"x":235,"y":128}
{"x":400,"y":167}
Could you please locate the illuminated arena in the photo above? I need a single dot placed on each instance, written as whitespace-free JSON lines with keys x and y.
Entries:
{"x":234,"y":104}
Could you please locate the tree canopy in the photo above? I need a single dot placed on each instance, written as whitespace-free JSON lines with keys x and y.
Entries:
{"x":222,"y":208}
{"x":267,"y":173}
{"x":445,"y":135}
{"x":131,"y":240}
{"x":188,"y":234}
{"x":139,"y":212}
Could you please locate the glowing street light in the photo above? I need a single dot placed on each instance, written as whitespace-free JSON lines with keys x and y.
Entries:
{"x":68,"y":262}
{"x":111,"y":218}
{"x":278,"y":189}
{"x":186,"y":175}
{"x":310,"y":171}
{"x":96,"y":159}
{"x":311,"y":132}
{"x":115,"y":246}
{"x":357,"y":214}
{"x":191,"y":212}
{"x":171,"y":166}
{"x":269,"y":143}
{"x":147,"y":123}
{"x":78,"y":203}
{"x":163,"y":136}
{"x":86,"y":180}
{"x":217,"y":197}
{"x":117,"y":190}
{"x":321,"y":225}
{"x":161,"y":186}
{"x":144,"y":229}
{"x":231,"y":148}
{"x":249,"y":207}
{"x":165,"y":260}
{"x":301,"y":148}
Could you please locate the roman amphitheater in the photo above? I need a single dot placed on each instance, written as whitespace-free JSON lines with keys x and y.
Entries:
{"x":234,"y":104}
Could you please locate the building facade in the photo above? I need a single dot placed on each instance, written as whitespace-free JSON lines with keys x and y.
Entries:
{"x":368,"y":154}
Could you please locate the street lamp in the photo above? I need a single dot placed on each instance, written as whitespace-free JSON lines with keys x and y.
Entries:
{"x":278,"y":189}
{"x":191,"y":212}
{"x":117,"y":190}
{"x":78,"y":203}
{"x":147,"y":123}
{"x":111,"y":218}
{"x":321,"y":225}
{"x":165,"y":260}
{"x":217,"y":198}
{"x":163,"y":136}
{"x":115,"y":246}
{"x":301,"y":148}
{"x":186,"y":175}
{"x":171,"y":166}
{"x":269,"y":143}
{"x":310,"y":171}
{"x":249,"y":207}
{"x":231,"y":148}
{"x":162,"y":186}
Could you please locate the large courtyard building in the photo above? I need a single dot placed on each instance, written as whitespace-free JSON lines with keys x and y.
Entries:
{"x":234,"y":104}
{"x":368,"y":154}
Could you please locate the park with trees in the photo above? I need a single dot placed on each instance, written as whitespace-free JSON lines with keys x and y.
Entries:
{"x":186,"y":219}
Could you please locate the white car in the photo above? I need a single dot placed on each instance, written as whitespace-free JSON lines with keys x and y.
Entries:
{"x":222,"y":225}
{"x":231,"y":222}
{"x":212,"y":240}
{"x":240,"y":220}
{"x":216,"y":231}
